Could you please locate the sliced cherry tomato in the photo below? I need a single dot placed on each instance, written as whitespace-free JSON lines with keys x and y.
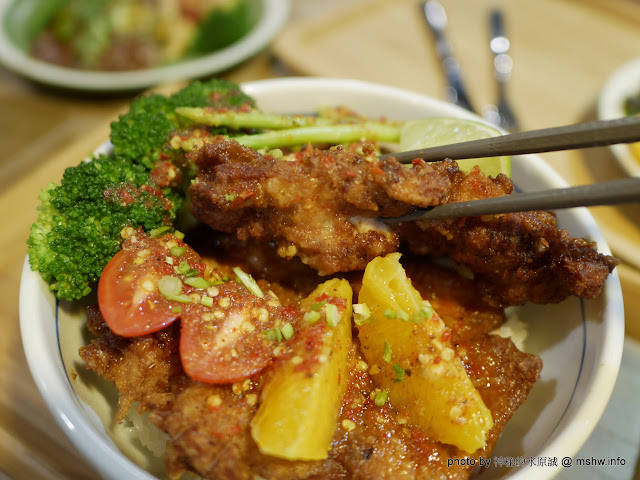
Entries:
{"x":226,"y":345}
{"x":128,"y":293}
{"x":222,"y":340}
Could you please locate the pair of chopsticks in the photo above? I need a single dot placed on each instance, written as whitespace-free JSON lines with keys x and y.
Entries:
{"x":581,"y":135}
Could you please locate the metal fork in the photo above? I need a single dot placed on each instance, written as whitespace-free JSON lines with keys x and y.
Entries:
{"x":502,"y":113}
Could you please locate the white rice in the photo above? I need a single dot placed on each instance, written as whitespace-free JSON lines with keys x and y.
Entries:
{"x":513,"y":328}
{"x":150,"y":436}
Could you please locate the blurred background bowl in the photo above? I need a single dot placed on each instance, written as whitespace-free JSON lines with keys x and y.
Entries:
{"x":271,"y":15}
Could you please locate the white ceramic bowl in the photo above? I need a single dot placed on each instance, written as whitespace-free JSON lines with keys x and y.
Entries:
{"x":622,"y":84}
{"x":579,"y":341}
{"x":274,"y":14}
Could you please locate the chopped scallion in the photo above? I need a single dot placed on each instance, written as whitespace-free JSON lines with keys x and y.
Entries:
{"x":177,"y":251}
{"x":318,"y":306}
{"x":361,"y":314}
{"x":275,"y":334}
{"x":386,"y":353}
{"x":156,"y":232}
{"x":170,"y":286}
{"x":311,"y":317}
{"x":182,"y":268}
{"x":400,"y":373}
{"x":248,"y":281}
{"x":182,"y":298}
{"x":390,"y":314}
{"x":270,"y":334}
{"x":425,"y":313}
{"x":287,"y":331}
{"x":381,"y":398}
{"x":275,"y":153}
{"x":206,"y":301}
{"x":197,"y":282}
{"x":333,"y":316}
{"x":404,"y":316}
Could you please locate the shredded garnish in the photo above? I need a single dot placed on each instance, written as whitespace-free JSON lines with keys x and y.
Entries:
{"x":156,"y":232}
{"x":197,"y":282}
{"x":206,"y":301}
{"x":287,"y":331}
{"x":425,"y":313}
{"x":182,"y":268}
{"x":277,"y":334}
{"x":361,"y":314}
{"x":332,"y":314}
{"x":170,"y":286}
{"x":390,"y":314}
{"x":318,"y":306}
{"x":311,"y":317}
{"x":273,"y":334}
{"x":248,"y":281}
{"x":386,"y":353}
{"x":400,"y":373}
{"x":380,"y":398}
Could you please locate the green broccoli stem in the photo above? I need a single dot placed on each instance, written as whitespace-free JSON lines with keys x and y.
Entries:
{"x":253,"y":119}
{"x":332,"y":134}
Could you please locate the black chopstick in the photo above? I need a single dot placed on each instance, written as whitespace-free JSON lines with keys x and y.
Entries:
{"x":613,"y":192}
{"x":580,"y":135}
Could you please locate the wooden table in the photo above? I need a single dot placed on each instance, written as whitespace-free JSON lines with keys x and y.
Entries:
{"x":563,"y":52}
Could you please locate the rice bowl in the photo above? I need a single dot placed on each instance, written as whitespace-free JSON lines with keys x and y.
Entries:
{"x":579,"y":341}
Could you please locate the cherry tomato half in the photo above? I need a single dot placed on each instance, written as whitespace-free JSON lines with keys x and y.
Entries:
{"x":128,"y":293}
{"x":222,"y":340}
{"x":230,"y":345}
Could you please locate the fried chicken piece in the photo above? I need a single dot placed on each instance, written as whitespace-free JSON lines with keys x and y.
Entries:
{"x":382,"y":447}
{"x":515,"y":257}
{"x":209,"y":426}
{"x":142,"y":370}
{"x":319,"y":207}
{"x":322,"y":207}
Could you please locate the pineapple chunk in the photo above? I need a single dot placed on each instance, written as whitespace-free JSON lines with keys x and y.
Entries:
{"x":301,"y":401}
{"x":415,"y":361}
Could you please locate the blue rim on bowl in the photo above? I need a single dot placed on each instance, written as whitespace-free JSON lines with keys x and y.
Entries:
{"x":275,"y":14}
{"x":579,"y":341}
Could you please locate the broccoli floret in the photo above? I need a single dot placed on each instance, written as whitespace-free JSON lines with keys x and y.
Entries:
{"x":142,"y":134}
{"x":217,"y":94}
{"x":79,"y":223}
{"x":78,"y":228}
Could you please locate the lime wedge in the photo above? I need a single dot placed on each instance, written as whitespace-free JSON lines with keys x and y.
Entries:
{"x":435,"y":131}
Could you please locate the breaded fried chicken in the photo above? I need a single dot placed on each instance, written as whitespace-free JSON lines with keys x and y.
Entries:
{"x":318,"y":207}
{"x":323,"y":207}
{"x":209,"y":425}
{"x":515,"y":257}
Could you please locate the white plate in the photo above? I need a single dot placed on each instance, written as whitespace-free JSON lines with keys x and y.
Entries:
{"x":273,"y":17}
{"x":623,"y":83}
{"x":580,"y":342}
